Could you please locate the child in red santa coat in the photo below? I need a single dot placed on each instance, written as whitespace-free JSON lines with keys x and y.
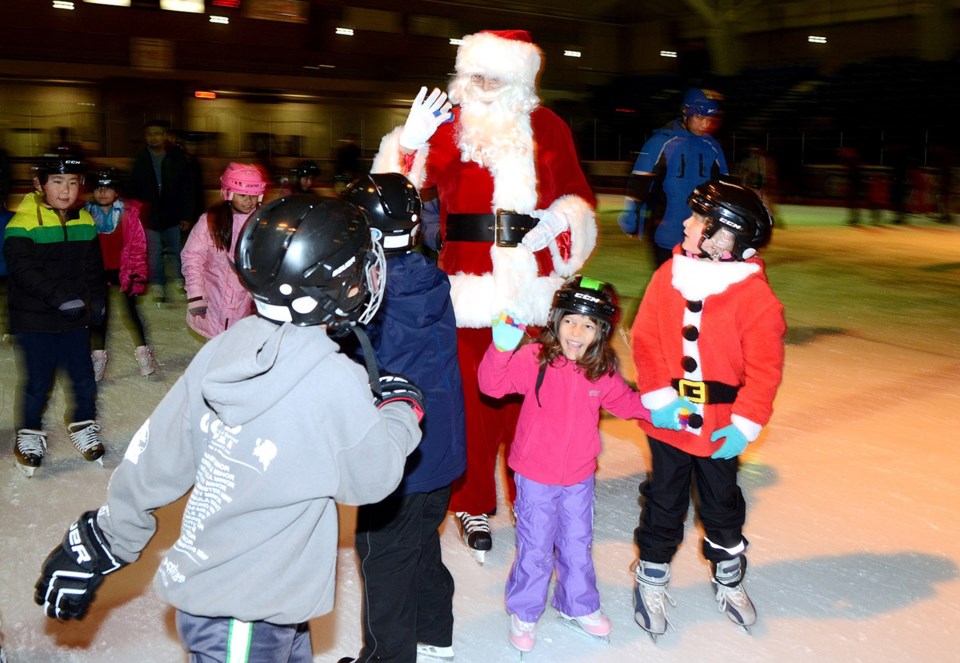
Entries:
{"x":516,"y":218}
{"x":708,"y":345}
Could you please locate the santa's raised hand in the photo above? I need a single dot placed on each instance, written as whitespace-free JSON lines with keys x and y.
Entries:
{"x":426,"y":114}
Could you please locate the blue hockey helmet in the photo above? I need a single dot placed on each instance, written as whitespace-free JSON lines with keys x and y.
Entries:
{"x":700,"y":101}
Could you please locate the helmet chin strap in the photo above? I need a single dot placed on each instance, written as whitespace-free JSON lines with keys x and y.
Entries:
{"x":373,"y":373}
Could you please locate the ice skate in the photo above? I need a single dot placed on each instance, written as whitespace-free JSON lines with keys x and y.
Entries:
{"x":475,"y":532}
{"x":596,"y":625}
{"x":648,"y":596}
{"x":523,"y":635}
{"x":85,"y":436}
{"x":425,"y":651}
{"x":731,"y":596}
{"x":29,"y":450}
{"x":145,"y":361}
{"x":99,"y":359}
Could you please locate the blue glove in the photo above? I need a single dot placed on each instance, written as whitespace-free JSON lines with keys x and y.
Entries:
{"x":628,"y":218}
{"x":669,"y":415}
{"x":508,"y":331}
{"x":733,"y":446}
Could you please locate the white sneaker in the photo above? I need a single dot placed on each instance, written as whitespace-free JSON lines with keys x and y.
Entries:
{"x":99,"y":358}
{"x":432,"y":651}
{"x":145,"y":360}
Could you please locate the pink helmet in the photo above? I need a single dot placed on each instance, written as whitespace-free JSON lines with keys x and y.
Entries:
{"x":243,"y":178}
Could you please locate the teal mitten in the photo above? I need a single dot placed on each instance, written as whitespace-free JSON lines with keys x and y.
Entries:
{"x":508,"y":331}
{"x":669,"y":415}
{"x":733,"y":446}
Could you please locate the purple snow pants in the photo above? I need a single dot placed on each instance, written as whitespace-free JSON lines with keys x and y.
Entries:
{"x":554,"y":530}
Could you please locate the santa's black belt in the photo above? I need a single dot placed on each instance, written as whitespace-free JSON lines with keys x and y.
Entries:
{"x":706,"y":391}
{"x":502,"y":228}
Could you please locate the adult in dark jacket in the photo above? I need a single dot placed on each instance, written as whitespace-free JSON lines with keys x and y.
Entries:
{"x":161,"y":178}
{"x":408,"y":602}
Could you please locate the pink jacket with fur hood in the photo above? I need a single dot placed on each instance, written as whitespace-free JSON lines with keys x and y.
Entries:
{"x":210,"y":275}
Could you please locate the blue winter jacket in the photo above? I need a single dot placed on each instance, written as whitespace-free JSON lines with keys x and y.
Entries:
{"x":415,"y":334}
{"x":680,"y":161}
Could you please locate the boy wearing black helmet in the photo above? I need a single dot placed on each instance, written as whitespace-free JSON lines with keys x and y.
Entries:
{"x":408,"y":591}
{"x":267,"y":427}
{"x":708,"y":346}
{"x":565,"y":378}
{"x":56,"y":288}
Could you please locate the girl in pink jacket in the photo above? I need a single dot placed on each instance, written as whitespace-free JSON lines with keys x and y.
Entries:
{"x":123,"y":245}
{"x":566,"y":377}
{"x":215,"y":298}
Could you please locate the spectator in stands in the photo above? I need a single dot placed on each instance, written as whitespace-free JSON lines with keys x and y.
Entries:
{"x":853,"y":172}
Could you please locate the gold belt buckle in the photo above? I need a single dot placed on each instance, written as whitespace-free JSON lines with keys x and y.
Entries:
{"x":693,"y":391}
{"x":498,"y":228}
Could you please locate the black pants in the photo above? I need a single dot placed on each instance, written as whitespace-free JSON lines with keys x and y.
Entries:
{"x":98,"y":333}
{"x":408,"y":592}
{"x":666,"y":498}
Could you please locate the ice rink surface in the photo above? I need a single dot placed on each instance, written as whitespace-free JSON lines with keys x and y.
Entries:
{"x":853,"y":492}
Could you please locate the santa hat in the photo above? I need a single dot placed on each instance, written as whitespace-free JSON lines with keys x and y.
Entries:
{"x":507,"y":55}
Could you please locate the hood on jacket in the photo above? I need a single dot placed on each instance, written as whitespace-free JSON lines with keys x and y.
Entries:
{"x":404,"y":302}
{"x":256,"y":363}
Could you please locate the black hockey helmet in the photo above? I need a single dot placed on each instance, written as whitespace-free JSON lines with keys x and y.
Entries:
{"x":737,"y":220}
{"x":581,"y":294}
{"x":392,"y":206}
{"x":311,"y":261}
{"x":109,"y":178}
{"x":62,"y":162}
{"x":307,"y":169}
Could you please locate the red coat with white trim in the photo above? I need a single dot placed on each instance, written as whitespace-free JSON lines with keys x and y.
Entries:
{"x":486,"y":279}
{"x":735,"y":338}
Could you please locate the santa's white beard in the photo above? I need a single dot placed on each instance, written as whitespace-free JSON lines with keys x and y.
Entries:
{"x":501,"y":140}
{"x":491,"y":131}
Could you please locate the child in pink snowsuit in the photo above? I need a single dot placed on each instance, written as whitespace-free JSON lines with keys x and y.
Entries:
{"x":566,"y":377}
{"x":215,"y":298}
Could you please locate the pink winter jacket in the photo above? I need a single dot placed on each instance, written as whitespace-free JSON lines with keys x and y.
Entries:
{"x":210,"y":274}
{"x":132,"y":248}
{"x":557,"y":440}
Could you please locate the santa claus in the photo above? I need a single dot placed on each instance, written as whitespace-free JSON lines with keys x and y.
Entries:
{"x":516,"y":218}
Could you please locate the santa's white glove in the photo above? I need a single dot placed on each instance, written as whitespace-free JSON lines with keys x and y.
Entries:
{"x":552,"y":223}
{"x":426,"y":114}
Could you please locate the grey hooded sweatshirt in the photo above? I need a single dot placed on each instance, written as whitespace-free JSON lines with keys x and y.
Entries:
{"x":270,"y":426}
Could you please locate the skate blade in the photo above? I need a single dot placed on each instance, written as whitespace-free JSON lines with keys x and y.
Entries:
{"x":28,"y":470}
{"x":100,"y":461}
{"x":479,"y":555}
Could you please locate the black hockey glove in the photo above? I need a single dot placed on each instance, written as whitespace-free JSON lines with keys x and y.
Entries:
{"x":395,"y":387}
{"x":74,"y":570}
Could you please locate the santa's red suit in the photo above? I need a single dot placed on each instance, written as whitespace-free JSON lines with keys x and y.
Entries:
{"x":541,"y":175}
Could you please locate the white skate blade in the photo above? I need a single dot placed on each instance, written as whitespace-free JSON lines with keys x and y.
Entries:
{"x":479,"y":555}
{"x":100,"y":461}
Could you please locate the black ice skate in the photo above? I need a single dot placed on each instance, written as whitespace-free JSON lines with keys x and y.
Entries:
{"x":85,"y":436}
{"x":650,"y":613}
{"x":475,"y":532}
{"x":29,"y":450}
{"x":731,"y":596}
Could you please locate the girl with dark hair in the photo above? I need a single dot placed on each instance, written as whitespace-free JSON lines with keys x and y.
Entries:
{"x":565,"y":377}
{"x":215,"y":297}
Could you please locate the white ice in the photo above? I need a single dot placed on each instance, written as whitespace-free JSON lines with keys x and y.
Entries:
{"x":853,"y":492}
